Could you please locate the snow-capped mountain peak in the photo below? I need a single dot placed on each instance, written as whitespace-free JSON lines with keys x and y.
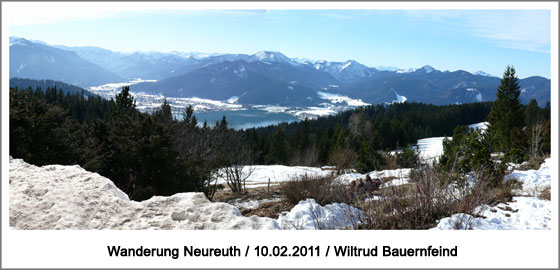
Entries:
{"x":400,"y":71}
{"x":482,"y":73}
{"x":427,"y":68}
{"x":386,"y":68}
{"x":349,"y":63}
{"x":193,"y":55}
{"x":271,"y":57}
{"x":19,"y":41}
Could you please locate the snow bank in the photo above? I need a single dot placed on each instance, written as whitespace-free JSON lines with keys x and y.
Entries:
{"x":69,"y":197}
{"x":524,"y":213}
{"x":534,"y":181}
{"x":308,"y":215}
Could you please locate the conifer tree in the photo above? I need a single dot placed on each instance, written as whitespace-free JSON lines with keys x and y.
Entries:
{"x":506,"y":114}
{"x":125,"y":103}
{"x":531,"y":113}
{"x":278,"y":148}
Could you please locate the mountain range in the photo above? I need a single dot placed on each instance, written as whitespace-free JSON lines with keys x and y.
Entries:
{"x":262,"y":78}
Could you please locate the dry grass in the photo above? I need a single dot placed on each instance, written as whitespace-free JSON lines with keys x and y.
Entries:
{"x":545,"y":194}
{"x":420,"y":204}
{"x":268,"y":209}
{"x":322,"y":189}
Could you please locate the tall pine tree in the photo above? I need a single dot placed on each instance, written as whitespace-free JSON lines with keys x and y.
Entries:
{"x":506,"y":116}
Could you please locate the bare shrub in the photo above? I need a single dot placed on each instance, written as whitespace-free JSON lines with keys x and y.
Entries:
{"x":545,"y":194}
{"x":236,"y":176}
{"x":432,"y":195}
{"x":536,"y":139}
{"x":321,"y":189}
{"x":342,"y":158}
{"x":391,"y":161}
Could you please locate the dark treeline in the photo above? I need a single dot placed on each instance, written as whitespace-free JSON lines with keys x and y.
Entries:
{"x":155,"y":154}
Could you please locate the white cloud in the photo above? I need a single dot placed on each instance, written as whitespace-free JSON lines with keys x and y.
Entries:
{"x":527,"y":30}
{"x":518,"y":29}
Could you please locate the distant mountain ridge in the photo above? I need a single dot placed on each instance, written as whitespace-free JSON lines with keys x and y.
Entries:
{"x":44,"y":84}
{"x":37,"y":61}
{"x":265,"y":77}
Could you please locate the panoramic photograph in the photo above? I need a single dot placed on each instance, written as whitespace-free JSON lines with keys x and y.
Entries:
{"x":281,"y":119}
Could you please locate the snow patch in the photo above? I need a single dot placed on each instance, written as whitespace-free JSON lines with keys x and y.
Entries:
{"x":336,"y":98}
{"x":534,"y":181}
{"x":347,"y":64}
{"x":482,"y":73}
{"x":527,"y":214}
{"x":232,"y":100}
{"x":21,"y":66}
{"x":431,"y":148}
{"x":252,"y":204}
{"x":271,"y":108}
{"x":399,"y":98}
{"x":241,"y":72}
{"x":308,"y":215}
{"x":480,"y":126}
{"x":410,"y":70}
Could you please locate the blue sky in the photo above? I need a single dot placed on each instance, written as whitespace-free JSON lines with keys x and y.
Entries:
{"x":471,"y":40}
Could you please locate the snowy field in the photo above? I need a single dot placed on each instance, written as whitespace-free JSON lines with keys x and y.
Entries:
{"x":260,"y":174}
{"x":430,"y":148}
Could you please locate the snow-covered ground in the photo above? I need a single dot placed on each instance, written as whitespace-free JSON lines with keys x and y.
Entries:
{"x":260,"y":174}
{"x":150,"y":102}
{"x":524,"y":213}
{"x":252,"y":204}
{"x":308,"y":215}
{"x":401,"y":177}
{"x":430,"y":148}
{"x":336,"y":98}
{"x":69,"y":197}
{"x":481,"y":126}
{"x":533,"y":181}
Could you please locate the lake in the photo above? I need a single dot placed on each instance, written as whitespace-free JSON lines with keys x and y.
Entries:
{"x":246,"y":119}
